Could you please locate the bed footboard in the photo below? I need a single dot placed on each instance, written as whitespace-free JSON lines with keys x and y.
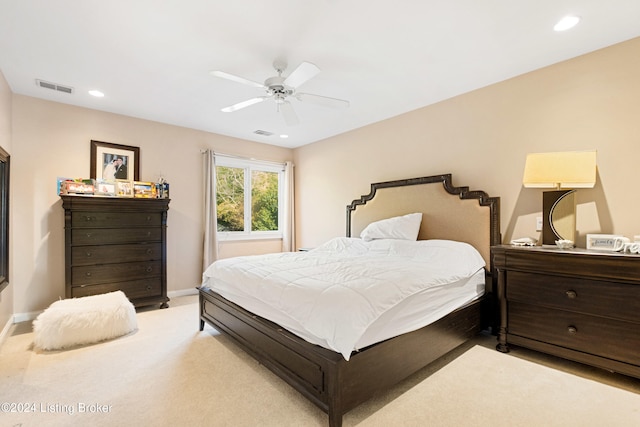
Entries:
{"x":323,"y":376}
{"x":303,"y":365}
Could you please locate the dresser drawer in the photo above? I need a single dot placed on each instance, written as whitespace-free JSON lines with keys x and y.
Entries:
{"x":114,"y":219}
{"x":111,"y":273}
{"x":110,"y":254}
{"x":609,"y":299}
{"x":133,"y":289}
{"x":614,"y":339}
{"x":116,"y":243}
{"x":92,"y":236}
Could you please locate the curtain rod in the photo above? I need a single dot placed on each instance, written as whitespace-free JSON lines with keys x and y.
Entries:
{"x":234,"y":156}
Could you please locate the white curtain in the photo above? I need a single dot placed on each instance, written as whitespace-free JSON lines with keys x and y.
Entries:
{"x":288,"y":229}
{"x":210,"y":253}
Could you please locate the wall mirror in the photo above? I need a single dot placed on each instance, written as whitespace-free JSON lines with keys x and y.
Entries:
{"x":4,"y":219}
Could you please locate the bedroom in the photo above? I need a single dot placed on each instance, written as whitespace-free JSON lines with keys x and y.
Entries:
{"x":482,"y":137}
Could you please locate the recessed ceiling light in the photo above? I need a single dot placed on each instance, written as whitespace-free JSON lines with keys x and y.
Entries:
{"x":96,"y":93}
{"x":284,"y":136}
{"x":566,"y":23}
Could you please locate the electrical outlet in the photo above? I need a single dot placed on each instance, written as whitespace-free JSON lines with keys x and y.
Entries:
{"x":539,"y":223}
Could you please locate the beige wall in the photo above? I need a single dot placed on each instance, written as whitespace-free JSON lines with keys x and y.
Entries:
{"x":482,"y":138}
{"x":6,"y":296}
{"x":52,"y":140}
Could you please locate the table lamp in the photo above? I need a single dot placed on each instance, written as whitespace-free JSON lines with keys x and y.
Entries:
{"x":563,"y":171}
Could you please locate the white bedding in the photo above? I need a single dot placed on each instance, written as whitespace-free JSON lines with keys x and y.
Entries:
{"x":348,"y":293}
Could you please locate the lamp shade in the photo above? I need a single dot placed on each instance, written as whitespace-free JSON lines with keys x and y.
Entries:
{"x":570,"y":169}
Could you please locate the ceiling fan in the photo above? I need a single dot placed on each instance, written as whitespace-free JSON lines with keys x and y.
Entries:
{"x":280,"y":89}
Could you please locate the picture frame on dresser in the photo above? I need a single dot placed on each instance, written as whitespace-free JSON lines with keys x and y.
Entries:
{"x":103,"y":187}
{"x":144,"y":190}
{"x":602,"y":242}
{"x":124,"y":188}
{"x":114,"y":161}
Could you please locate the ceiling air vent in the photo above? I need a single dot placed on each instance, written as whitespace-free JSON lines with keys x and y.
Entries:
{"x":54,"y":86}
{"x":263,"y":132}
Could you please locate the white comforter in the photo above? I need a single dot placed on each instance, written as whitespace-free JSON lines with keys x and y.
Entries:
{"x":334,"y":292}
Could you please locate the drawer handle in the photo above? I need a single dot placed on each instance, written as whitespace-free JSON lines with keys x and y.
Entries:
{"x":149,"y":269}
{"x":148,"y":218}
{"x":149,"y":287}
{"x":148,"y":233}
{"x":87,"y":218}
{"x":88,"y":274}
{"x":88,"y":234}
{"x":88,"y":254}
{"x":571,"y":294}
{"x":572,"y":330}
{"x":149,"y":251}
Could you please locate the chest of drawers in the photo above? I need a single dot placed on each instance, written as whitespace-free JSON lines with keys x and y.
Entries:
{"x":116,"y":244}
{"x":577,"y":304}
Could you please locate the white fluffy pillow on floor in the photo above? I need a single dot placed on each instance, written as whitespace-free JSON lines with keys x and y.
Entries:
{"x":78,"y":321}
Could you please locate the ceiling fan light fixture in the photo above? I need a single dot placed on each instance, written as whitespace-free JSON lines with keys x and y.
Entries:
{"x":243,"y":104}
{"x":236,"y":79}
{"x":279,"y":88}
{"x":566,"y":23}
{"x":303,"y":72}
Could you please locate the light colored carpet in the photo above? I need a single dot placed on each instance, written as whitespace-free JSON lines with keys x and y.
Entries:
{"x":167,"y":373}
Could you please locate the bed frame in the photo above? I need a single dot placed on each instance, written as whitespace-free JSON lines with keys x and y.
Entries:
{"x":324,"y":376}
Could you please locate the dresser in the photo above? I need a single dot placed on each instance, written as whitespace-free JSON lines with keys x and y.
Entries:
{"x":114,"y":243}
{"x":576,"y":304}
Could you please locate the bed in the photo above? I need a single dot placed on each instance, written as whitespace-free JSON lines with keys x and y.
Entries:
{"x":337,"y":380}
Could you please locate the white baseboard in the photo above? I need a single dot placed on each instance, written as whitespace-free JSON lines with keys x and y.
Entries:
{"x":27,"y":317}
{"x":5,"y":330}
{"x":182,"y":292}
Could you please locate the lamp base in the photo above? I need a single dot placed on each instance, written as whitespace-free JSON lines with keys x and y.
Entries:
{"x":558,"y":216}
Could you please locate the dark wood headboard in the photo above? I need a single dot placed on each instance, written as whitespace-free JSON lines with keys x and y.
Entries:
{"x":448,"y":212}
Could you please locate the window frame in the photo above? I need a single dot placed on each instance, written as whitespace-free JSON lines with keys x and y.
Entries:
{"x":250,"y":165}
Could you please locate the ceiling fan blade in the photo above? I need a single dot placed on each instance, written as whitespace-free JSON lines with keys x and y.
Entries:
{"x":244,"y":104}
{"x":323,"y":101}
{"x":289,"y":115}
{"x":237,"y":79}
{"x":304,"y":72}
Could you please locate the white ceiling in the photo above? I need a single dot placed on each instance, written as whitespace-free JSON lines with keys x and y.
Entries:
{"x":152,"y":58}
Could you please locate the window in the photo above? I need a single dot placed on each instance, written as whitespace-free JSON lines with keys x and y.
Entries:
{"x":249,"y":198}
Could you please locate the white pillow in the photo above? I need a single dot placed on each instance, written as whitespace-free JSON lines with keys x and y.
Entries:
{"x":404,"y":227}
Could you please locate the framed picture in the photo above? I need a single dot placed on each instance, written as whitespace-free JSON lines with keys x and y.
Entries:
{"x":602,"y":242}
{"x":124,"y":188}
{"x":78,"y":186}
{"x":105,"y":188}
{"x":114,"y":161}
{"x":61,"y":183}
{"x":145,"y":190}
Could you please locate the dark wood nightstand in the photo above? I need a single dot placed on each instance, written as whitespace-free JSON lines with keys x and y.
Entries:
{"x":577,"y":304}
